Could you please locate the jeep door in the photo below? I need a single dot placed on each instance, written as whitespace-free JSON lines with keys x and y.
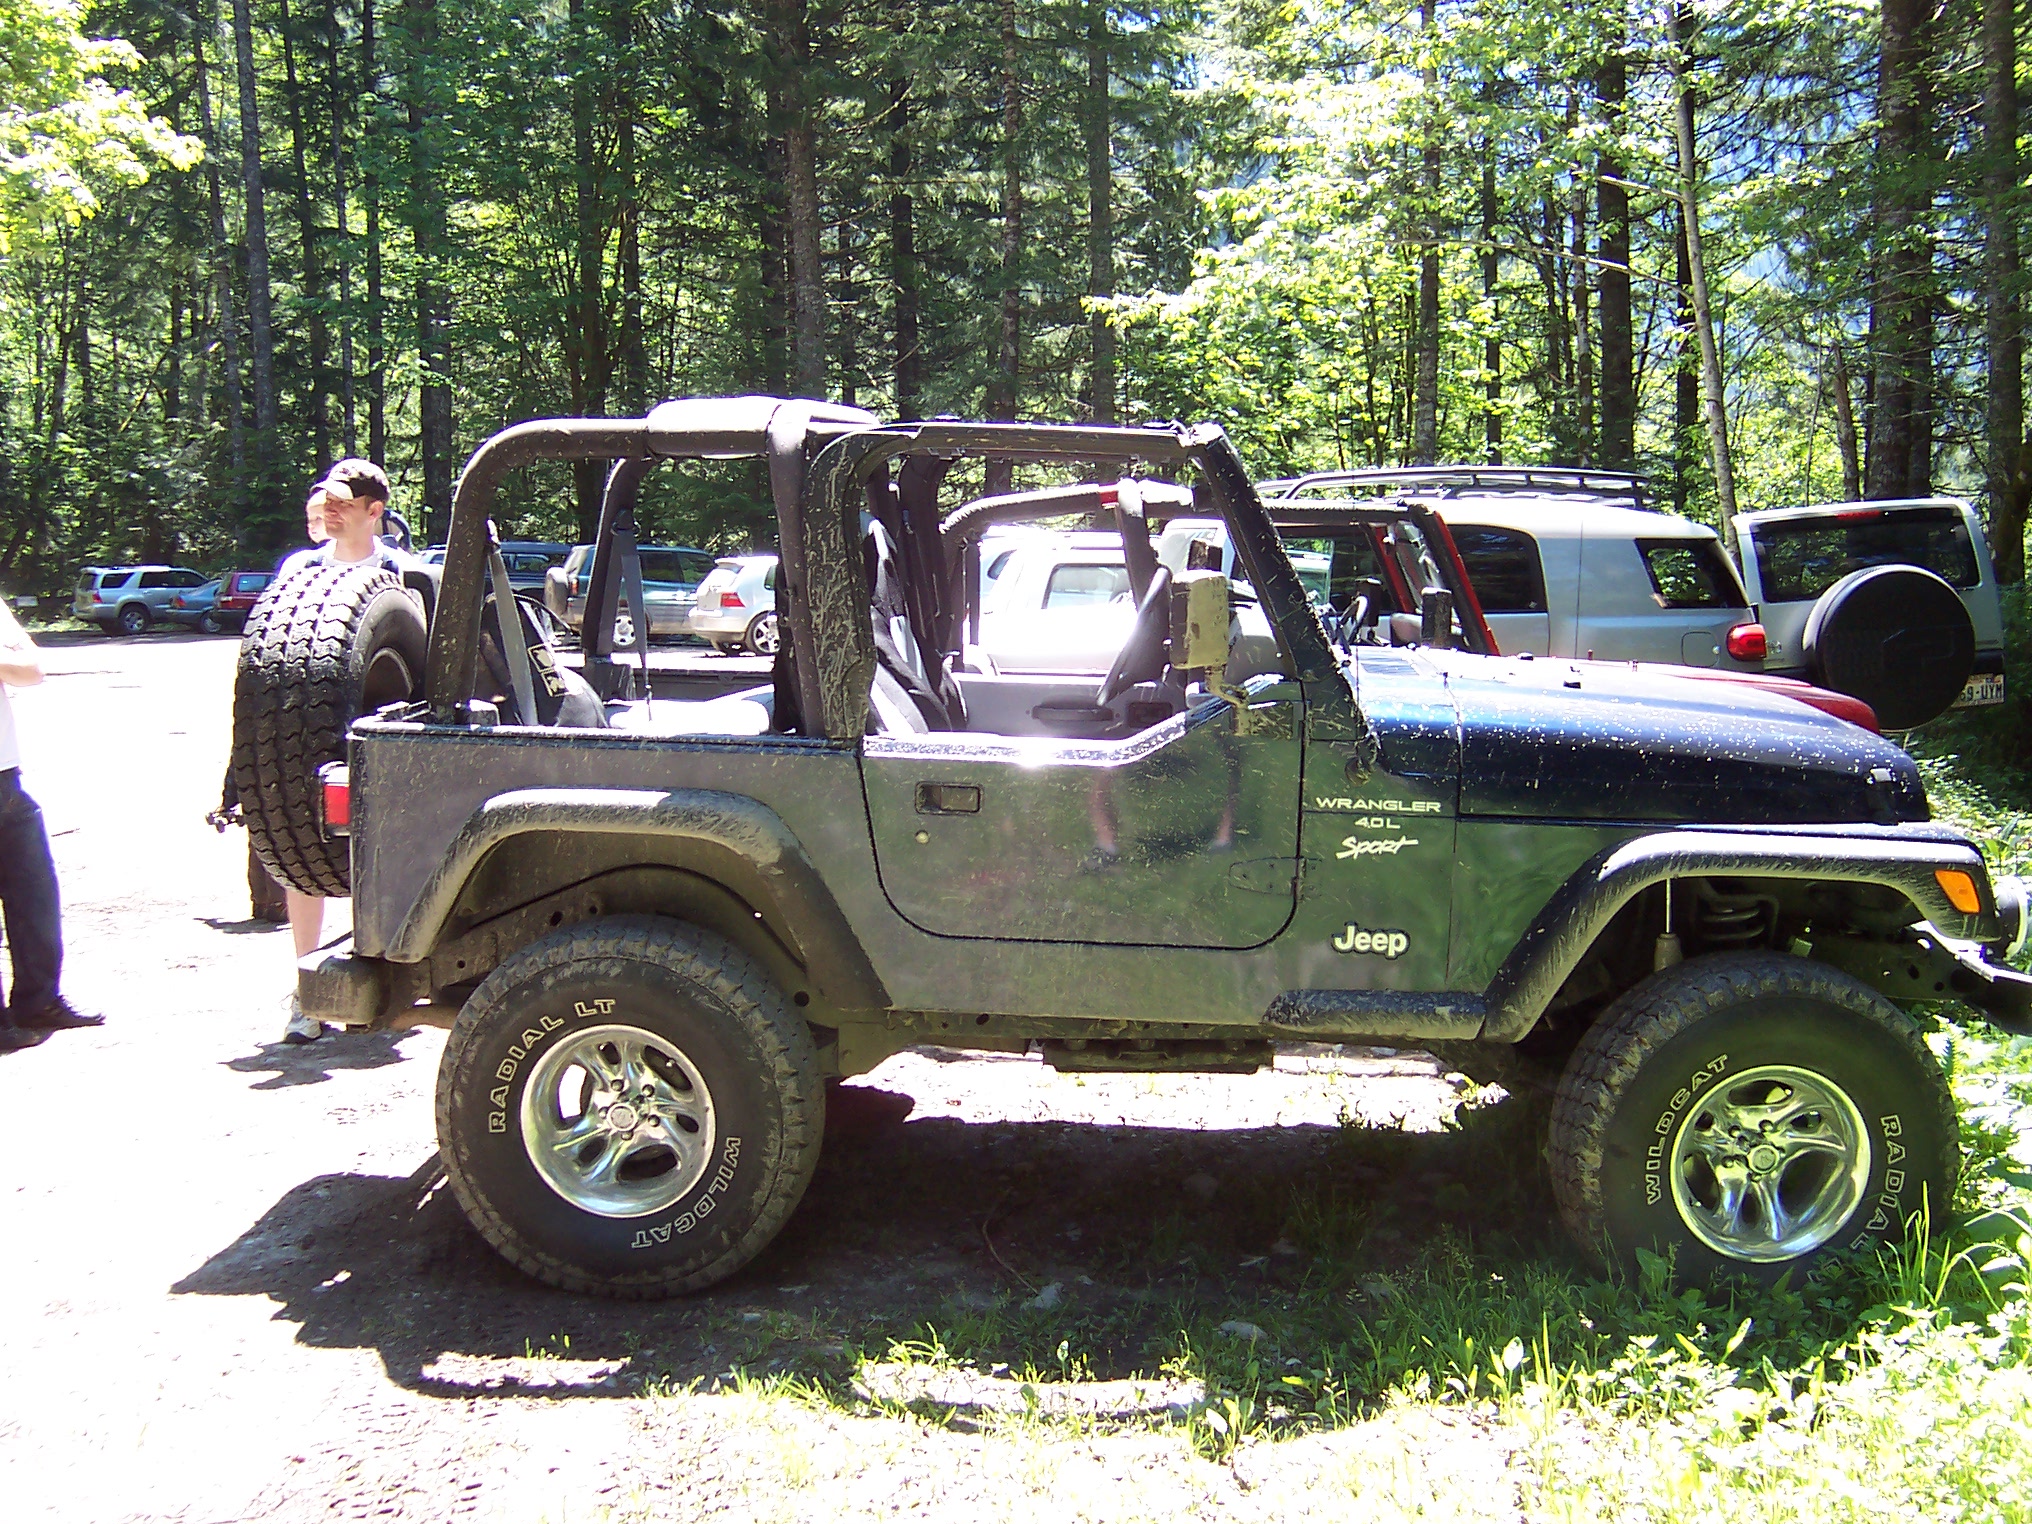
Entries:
{"x":1185,"y":835}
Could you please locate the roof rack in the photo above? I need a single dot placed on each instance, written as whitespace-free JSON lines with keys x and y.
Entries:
{"x":1458,"y":481}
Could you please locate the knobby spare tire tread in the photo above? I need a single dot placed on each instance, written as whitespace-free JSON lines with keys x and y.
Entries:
{"x":736,"y":990}
{"x":1642,"y":1021}
{"x":295,"y":692}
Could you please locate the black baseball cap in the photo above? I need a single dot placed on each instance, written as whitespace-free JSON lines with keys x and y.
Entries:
{"x":357,"y":478}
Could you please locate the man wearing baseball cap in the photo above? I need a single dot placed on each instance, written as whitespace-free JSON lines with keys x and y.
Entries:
{"x":352,"y":502}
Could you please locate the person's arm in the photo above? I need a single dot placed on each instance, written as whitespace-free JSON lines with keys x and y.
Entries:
{"x":20,"y":662}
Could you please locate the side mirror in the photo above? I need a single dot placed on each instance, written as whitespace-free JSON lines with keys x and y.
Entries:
{"x":1201,"y":607}
{"x":1435,"y":616}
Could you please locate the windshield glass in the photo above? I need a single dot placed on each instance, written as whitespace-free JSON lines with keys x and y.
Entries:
{"x":1799,"y":559}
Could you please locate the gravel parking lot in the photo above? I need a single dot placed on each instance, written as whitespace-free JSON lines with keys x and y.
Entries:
{"x":239,"y":1291}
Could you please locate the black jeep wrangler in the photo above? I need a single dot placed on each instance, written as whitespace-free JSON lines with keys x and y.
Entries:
{"x":1697,"y":915}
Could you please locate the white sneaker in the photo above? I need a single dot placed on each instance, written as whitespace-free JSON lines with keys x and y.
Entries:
{"x":300,"y":1028}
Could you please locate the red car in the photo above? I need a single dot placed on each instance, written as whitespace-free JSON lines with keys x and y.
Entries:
{"x":237,"y":592}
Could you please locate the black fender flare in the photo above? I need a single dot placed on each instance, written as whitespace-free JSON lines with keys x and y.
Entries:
{"x":832,"y":955}
{"x":1904,"y":860}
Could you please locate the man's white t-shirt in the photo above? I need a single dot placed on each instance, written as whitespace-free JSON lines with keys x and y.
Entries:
{"x":383,"y":554}
{"x":10,"y":748}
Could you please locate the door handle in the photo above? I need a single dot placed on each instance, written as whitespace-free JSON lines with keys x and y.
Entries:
{"x":948,"y":799}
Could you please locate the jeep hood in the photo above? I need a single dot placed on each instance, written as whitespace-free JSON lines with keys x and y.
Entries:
{"x":1570,"y":740}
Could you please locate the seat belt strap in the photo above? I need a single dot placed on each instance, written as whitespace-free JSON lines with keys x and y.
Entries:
{"x":514,"y":649}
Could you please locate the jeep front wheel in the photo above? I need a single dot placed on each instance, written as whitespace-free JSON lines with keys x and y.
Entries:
{"x":1750,"y":1114}
{"x":629,"y":1107}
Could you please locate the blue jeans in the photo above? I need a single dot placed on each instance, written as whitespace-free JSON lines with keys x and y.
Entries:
{"x":28,"y":899}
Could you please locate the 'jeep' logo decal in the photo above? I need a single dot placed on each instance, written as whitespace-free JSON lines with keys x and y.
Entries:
{"x":1383,"y":944}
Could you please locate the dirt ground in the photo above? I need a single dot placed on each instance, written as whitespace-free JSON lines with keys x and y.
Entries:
{"x":239,"y":1290}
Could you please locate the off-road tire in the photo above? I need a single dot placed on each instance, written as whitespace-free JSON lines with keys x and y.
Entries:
{"x":1673,"y":1043}
{"x":709,"y":1001}
{"x":324,"y":645}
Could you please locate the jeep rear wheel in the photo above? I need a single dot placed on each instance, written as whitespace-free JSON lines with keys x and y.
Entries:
{"x":1750,"y":1114}
{"x":629,"y":1107}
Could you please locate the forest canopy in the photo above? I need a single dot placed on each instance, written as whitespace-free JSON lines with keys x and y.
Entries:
{"x":1354,"y":233}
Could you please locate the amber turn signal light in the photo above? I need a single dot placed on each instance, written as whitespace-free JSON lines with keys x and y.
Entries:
{"x":1960,"y":890}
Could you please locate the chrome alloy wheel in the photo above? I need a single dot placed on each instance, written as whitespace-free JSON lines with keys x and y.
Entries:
{"x":618,"y":1121}
{"x":1769,"y":1164}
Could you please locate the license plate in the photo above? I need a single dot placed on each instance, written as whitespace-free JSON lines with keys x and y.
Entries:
{"x":1983,"y":688}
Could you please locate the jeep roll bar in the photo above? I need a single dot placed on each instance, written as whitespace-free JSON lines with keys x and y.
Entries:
{"x":695,"y":428}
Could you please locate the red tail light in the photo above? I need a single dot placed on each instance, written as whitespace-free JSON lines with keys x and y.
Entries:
{"x":1746,"y":642}
{"x":731,"y":600}
{"x":337,"y":788}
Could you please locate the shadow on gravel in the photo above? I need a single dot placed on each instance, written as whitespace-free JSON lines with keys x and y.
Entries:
{"x":1148,"y":1235}
{"x":312,"y":1063}
{"x":239,"y":928}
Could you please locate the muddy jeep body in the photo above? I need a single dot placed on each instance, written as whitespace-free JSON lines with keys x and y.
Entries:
{"x":1407,"y":844}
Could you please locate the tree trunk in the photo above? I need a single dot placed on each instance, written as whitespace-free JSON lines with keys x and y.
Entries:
{"x":1898,"y":303}
{"x":260,"y":327}
{"x":2004,"y":338}
{"x":1492,"y":343}
{"x":773,"y":232}
{"x":172,"y":378}
{"x":222,"y":276}
{"x":307,"y":237}
{"x":1686,"y":374}
{"x":1618,"y":449}
{"x":586,"y":352}
{"x":342,"y":263}
{"x":433,"y":295}
{"x":850,"y":309}
{"x":628,"y":110}
{"x":1100,"y":212}
{"x":377,"y":341}
{"x":903,"y":253}
{"x":1425,"y":377}
{"x":791,"y":28}
{"x":1677,"y":21}
{"x":1583,"y":322}
{"x":1845,"y":424}
{"x":1005,"y":389}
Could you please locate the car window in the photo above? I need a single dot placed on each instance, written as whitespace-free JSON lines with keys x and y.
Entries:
{"x":1799,"y":559}
{"x":155,"y":579}
{"x":528,"y":563}
{"x":695,"y":567}
{"x":1690,"y":574}
{"x":250,"y":582}
{"x":1077,"y":586}
{"x":187,"y":579}
{"x":1503,"y":567}
{"x":769,"y":577}
{"x":663,"y":566}
{"x":995,"y":567}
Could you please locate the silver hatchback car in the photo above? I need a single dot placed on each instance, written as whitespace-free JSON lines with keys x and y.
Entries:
{"x":736,"y":607}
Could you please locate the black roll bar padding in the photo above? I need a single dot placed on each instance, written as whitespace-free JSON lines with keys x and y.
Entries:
{"x":934,"y":612}
{"x":455,"y":632}
{"x":1139,"y":556}
{"x":784,"y":447}
{"x":609,"y":581}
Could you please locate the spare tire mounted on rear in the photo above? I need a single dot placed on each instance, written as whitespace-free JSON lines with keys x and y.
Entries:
{"x":326,"y":643}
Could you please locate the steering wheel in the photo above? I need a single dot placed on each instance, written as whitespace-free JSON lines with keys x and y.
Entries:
{"x":1141,"y":659}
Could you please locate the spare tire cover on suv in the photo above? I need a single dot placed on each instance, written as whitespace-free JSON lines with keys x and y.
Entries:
{"x":1897,"y":637}
{"x":324,"y":645}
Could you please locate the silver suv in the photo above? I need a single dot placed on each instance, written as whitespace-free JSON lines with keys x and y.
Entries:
{"x":1571,"y":564}
{"x":126,"y":600}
